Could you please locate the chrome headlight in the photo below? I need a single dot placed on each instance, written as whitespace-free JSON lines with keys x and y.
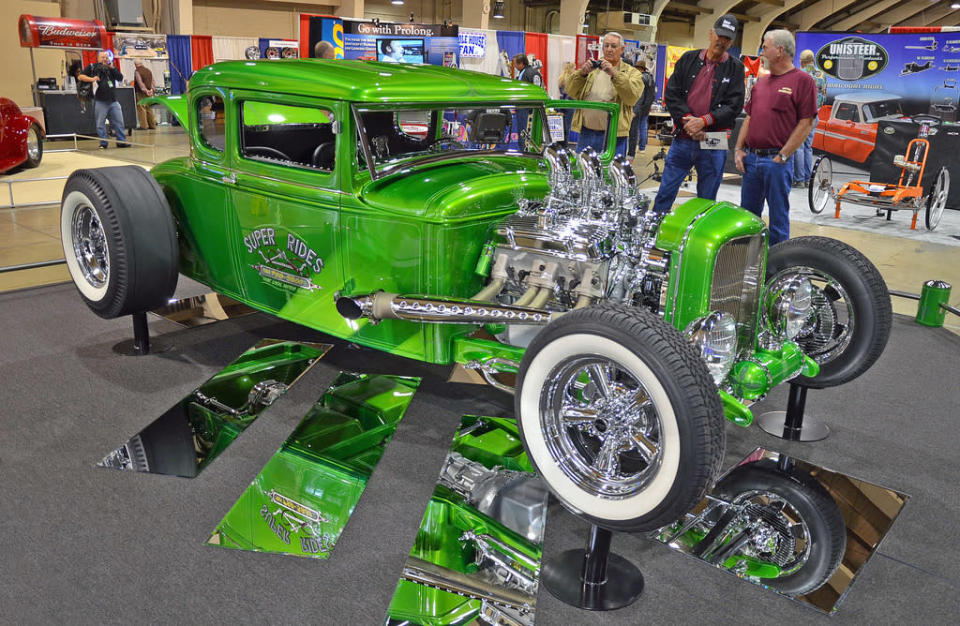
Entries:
{"x":715,"y":338}
{"x":788,"y":306}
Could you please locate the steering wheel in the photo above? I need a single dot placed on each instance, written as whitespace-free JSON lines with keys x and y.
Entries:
{"x":267,"y":151}
{"x":926,"y":118}
{"x":444,"y":139}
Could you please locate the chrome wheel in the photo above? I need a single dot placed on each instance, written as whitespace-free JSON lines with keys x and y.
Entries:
{"x":820,"y":190}
{"x":601,"y":426}
{"x":831,"y":324}
{"x":937,"y":200}
{"x":33,"y":144}
{"x":90,"y":246}
{"x":778,"y":532}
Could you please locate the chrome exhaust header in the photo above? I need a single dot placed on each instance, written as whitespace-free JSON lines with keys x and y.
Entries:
{"x":382,"y":305}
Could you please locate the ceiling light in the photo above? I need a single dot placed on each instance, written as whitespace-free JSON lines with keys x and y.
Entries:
{"x":955,"y":5}
{"x":396,"y":1}
{"x":498,"y":9}
{"x":586,"y":19}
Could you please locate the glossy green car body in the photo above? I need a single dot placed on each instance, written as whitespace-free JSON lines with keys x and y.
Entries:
{"x":418,"y":226}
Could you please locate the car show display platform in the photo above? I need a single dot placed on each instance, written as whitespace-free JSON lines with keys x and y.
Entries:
{"x":106,"y":546}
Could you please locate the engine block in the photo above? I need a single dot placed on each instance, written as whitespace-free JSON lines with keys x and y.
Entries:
{"x":586,"y":241}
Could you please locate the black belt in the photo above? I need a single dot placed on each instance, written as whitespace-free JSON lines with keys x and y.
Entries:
{"x":764,"y":151}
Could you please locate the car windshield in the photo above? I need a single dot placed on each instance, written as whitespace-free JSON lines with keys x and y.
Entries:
{"x":399,"y":135}
{"x":884,"y":108}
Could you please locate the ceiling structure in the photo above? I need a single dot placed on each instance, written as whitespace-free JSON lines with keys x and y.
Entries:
{"x":868,"y":16}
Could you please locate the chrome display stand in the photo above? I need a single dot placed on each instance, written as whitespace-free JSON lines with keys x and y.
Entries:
{"x":593,"y":578}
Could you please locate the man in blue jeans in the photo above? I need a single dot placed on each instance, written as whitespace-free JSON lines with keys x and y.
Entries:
{"x":780,"y":115}
{"x":704,"y":97}
{"x":105,"y":105}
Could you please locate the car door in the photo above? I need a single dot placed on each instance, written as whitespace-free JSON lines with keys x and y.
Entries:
{"x":842,"y":128}
{"x":197,"y":194}
{"x":285,"y":202}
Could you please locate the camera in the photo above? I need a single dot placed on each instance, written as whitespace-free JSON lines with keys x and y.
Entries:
{"x":596,"y":63}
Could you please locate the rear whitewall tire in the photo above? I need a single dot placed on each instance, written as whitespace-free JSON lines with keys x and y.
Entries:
{"x":74,"y":202}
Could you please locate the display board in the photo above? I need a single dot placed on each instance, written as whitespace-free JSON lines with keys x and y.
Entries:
{"x":923,"y":69}
{"x":389,"y":42}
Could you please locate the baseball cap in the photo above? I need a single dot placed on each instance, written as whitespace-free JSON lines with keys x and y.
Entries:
{"x":726,"y":26}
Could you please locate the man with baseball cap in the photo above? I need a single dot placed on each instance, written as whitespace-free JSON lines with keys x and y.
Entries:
{"x":704,"y":97}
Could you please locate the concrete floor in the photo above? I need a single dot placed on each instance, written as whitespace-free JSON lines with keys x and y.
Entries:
{"x":905,"y":257}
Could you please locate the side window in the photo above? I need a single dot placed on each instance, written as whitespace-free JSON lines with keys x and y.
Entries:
{"x":212,"y":127}
{"x":299,"y":136}
{"x":847,"y":112}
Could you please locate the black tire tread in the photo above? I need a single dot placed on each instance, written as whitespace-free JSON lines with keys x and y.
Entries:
{"x":794,"y":483}
{"x":693,"y":382}
{"x":878,"y":296}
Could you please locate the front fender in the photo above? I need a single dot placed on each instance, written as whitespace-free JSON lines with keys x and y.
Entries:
{"x":176,"y":104}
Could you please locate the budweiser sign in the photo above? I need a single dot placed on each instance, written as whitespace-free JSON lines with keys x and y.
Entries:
{"x":58,"y":32}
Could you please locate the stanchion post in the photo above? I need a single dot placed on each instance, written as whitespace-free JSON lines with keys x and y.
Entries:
{"x":141,"y":334}
{"x":933,"y":294}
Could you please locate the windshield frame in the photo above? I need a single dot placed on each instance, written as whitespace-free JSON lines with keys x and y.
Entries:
{"x":358,"y":109}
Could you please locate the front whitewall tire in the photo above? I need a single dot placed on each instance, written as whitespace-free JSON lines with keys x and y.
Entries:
{"x":566,"y":489}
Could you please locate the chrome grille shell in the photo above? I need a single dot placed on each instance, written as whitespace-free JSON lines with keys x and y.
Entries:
{"x":736,"y":286}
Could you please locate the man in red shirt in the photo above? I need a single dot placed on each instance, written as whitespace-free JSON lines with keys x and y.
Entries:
{"x":780,"y":114}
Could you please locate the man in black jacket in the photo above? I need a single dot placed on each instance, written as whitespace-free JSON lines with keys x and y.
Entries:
{"x":105,"y":104}
{"x":704,"y":97}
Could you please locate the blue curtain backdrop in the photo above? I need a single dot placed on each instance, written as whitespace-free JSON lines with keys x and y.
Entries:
{"x":264,"y":44}
{"x":511,"y":42}
{"x":661,"y":68}
{"x":181,"y":66}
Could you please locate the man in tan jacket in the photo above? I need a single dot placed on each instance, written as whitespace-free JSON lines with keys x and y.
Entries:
{"x":605,"y":80}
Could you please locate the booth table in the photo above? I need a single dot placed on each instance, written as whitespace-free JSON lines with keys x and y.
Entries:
{"x":64,"y":115}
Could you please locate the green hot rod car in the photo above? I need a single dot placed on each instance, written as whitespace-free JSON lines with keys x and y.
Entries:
{"x":384,"y":204}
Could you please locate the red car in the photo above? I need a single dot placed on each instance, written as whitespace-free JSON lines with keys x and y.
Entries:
{"x":848,"y":127}
{"x":21,"y":138}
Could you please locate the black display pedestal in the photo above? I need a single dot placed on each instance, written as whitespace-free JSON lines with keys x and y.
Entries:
{"x":790,"y":424}
{"x":593,"y":578}
{"x":140,"y":345}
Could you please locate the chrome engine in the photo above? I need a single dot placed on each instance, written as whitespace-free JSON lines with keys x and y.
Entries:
{"x":585,"y":242}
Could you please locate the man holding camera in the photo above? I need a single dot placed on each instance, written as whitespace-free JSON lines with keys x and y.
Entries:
{"x":605,"y":80}
{"x":105,"y":104}
{"x":704,"y":96}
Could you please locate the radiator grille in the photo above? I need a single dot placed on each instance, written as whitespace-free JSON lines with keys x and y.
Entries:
{"x":736,"y":286}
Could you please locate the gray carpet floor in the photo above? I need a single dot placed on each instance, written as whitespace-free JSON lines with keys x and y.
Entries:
{"x":81,"y":544}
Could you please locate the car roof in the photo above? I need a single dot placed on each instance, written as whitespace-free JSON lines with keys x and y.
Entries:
{"x":366,"y":81}
{"x":875,"y":96}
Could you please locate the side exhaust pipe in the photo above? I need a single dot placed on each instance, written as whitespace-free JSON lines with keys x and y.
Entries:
{"x":382,"y":306}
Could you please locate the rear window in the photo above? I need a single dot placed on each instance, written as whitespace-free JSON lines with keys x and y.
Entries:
{"x":296,"y":136}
